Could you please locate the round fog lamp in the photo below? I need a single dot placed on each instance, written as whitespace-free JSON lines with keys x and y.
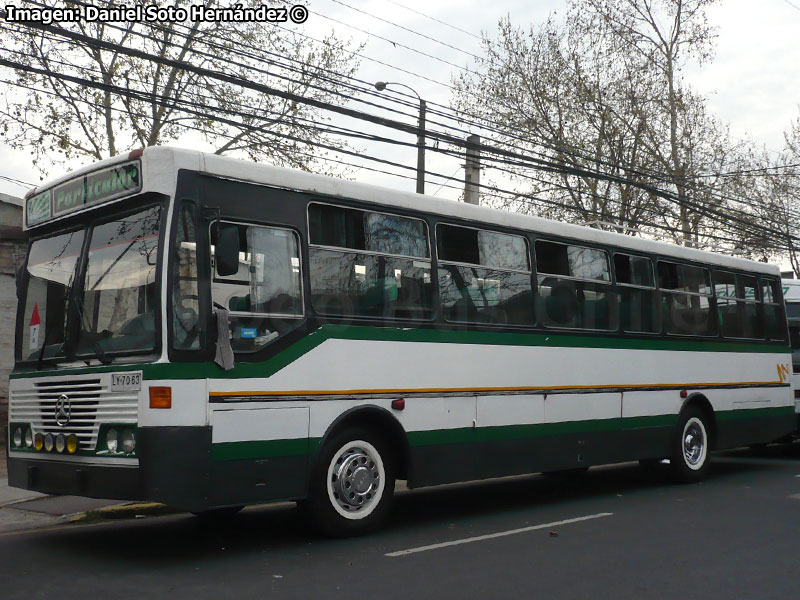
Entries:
{"x":128,"y":441}
{"x":38,"y":442}
{"x":61,"y":442}
{"x":29,"y":437}
{"x":72,"y":443}
{"x":48,"y":442}
{"x":18,"y":437}
{"x":111,"y":440}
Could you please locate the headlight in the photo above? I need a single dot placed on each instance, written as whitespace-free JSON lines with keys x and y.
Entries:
{"x":111,"y":440}
{"x":29,"y":437}
{"x":49,"y":442}
{"x":128,"y":441}
{"x":38,"y":442}
{"x":18,"y":437}
{"x":61,"y":442}
{"x":72,"y":443}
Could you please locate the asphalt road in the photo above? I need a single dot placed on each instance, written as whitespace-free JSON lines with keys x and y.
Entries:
{"x":617,"y":532}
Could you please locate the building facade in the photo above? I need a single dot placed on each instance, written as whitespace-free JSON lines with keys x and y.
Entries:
{"x":12,"y":252}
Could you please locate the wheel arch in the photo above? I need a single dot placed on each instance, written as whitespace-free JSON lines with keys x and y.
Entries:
{"x":377,"y":419}
{"x":701,"y":402}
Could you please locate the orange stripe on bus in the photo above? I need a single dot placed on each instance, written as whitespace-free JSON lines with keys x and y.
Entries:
{"x":485,"y":389}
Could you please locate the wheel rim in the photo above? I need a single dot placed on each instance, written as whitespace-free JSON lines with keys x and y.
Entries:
{"x":695,"y":447}
{"x":356,"y":479}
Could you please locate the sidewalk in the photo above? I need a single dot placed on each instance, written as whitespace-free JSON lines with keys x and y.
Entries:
{"x":23,"y":509}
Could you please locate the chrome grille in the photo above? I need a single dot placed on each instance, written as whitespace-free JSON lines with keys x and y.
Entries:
{"x":91,"y":402}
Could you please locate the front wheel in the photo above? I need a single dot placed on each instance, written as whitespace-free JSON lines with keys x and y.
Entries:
{"x":691,"y":453}
{"x":352,"y":484}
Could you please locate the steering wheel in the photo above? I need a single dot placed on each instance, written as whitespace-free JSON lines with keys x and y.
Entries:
{"x":188,"y":320}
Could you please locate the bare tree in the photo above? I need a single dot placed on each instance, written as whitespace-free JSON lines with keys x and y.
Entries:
{"x":128,"y":102}
{"x":604,"y":93}
{"x":556,"y":96}
{"x":660,"y":35}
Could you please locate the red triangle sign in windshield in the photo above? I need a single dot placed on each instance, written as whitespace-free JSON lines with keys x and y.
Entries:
{"x":35,"y":320}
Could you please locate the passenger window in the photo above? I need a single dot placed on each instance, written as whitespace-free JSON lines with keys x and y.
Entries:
{"x":484,"y":276}
{"x":686,"y":299}
{"x":264,"y":297}
{"x":774,"y":318}
{"x":737,"y":306}
{"x":574,"y":286}
{"x":369,"y":264}
{"x":636,"y":294}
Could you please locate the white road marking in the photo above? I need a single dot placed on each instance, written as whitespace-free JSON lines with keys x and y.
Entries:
{"x":499,"y":534}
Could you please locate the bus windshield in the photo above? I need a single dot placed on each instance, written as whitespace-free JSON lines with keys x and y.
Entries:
{"x":115,"y":304}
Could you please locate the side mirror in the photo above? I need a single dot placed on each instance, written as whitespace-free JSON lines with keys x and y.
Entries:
{"x":226,"y":253}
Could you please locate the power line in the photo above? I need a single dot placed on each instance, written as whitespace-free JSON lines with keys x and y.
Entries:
{"x":515,"y":196}
{"x":409,"y":30}
{"x":556,"y":168}
{"x":450,"y":25}
{"x":18,"y":182}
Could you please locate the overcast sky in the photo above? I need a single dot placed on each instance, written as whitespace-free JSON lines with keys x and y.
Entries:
{"x":752,"y":82}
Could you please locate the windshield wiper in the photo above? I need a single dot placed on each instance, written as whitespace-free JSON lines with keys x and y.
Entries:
{"x":95,"y":345}
{"x":44,"y":346}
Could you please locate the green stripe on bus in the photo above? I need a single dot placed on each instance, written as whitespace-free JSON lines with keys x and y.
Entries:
{"x":466,"y":435}
{"x":259,"y":449}
{"x":386,"y":334}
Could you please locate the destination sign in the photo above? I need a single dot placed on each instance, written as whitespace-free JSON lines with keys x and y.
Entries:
{"x":92,"y":188}
{"x":38,"y":208}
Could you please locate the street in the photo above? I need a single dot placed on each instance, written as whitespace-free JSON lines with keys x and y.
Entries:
{"x":615,"y":532}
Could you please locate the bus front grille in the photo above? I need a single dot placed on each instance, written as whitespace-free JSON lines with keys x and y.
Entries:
{"x":88,"y":403}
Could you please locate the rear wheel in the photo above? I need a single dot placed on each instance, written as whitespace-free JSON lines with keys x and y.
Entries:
{"x":691,"y":452}
{"x":352,"y":484}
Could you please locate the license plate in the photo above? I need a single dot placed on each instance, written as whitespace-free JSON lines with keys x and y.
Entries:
{"x":126,"y":382}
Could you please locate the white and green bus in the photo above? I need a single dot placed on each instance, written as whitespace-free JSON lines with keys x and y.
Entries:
{"x":791,"y":296}
{"x":211,"y":333}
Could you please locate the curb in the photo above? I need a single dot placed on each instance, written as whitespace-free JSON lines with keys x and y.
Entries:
{"x":134,"y":510}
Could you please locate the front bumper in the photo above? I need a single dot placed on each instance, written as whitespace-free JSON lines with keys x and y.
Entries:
{"x":117,"y":482}
{"x":172,"y":468}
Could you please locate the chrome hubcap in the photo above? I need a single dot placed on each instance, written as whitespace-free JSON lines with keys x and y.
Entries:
{"x":355,"y":480}
{"x":694,"y":443}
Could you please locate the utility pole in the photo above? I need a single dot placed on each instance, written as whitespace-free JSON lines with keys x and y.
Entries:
{"x":421,"y":149}
{"x":380,"y":86}
{"x":472,"y":170}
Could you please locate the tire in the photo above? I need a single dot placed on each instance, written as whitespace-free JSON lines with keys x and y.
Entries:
{"x":691,"y":452}
{"x":351,"y":484}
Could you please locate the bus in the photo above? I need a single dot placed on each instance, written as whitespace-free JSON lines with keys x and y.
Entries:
{"x":791,"y":296}
{"x":210,"y":333}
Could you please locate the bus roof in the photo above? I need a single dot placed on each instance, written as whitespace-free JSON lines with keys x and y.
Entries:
{"x":158,"y":159}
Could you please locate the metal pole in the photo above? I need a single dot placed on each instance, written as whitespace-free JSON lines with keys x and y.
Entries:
{"x":421,"y":149}
{"x":380,"y":86}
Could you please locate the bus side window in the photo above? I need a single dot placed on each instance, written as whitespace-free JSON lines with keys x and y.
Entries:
{"x":686,"y":299}
{"x":263,"y":296}
{"x":574,"y":288}
{"x":484,"y":276}
{"x":368,"y":264}
{"x":774,"y":318}
{"x":737,"y":305}
{"x":636,"y":294}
